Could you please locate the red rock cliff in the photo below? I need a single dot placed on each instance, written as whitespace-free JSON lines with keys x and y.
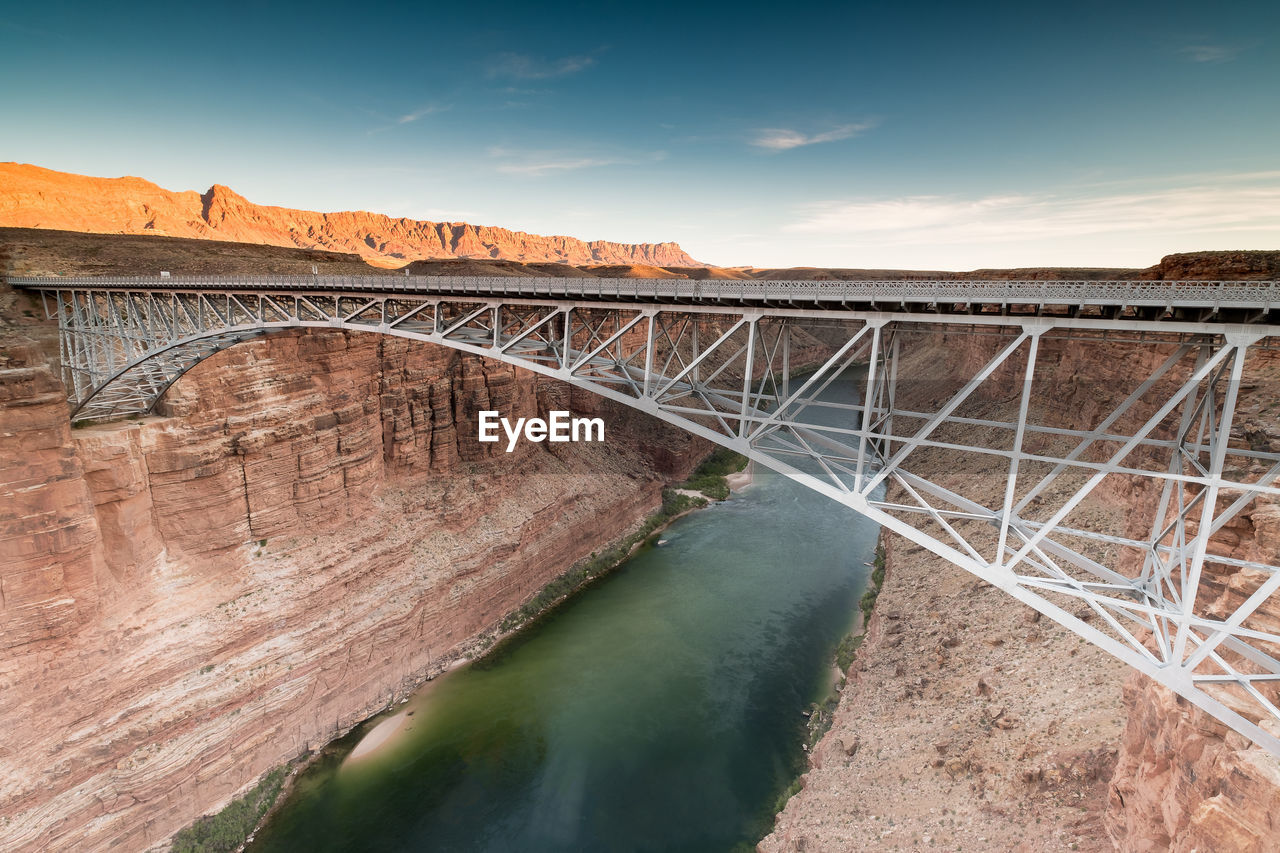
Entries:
{"x":310,"y":528}
{"x":1185,"y":781}
{"x":32,"y":197}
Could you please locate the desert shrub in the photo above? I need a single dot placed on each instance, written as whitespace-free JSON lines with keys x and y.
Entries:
{"x":709,"y":477}
{"x":228,"y":829}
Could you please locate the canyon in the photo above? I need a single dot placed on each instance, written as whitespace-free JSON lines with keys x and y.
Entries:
{"x":304,"y":533}
{"x":307,"y":528}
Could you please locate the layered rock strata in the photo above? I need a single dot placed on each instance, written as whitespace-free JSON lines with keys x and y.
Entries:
{"x":1185,"y":782}
{"x":32,"y":197}
{"x":307,"y":530}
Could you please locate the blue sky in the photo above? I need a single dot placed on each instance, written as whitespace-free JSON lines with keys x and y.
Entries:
{"x":910,"y":135}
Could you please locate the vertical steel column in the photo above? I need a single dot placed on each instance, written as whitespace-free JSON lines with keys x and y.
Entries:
{"x":648,"y":354}
{"x":568,"y":336}
{"x":892,"y":390}
{"x":1007,"y":512}
{"x":70,"y":342}
{"x":1177,"y":465}
{"x":786,"y":361}
{"x":747,"y":376}
{"x":99,"y":367}
{"x":867,"y":406}
{"x":693,"y":355}
{"x":1220,"y":439}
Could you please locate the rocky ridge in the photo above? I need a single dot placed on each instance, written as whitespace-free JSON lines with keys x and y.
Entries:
{"x":32,"y":197}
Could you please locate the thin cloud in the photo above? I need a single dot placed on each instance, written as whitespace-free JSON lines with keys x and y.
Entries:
{"x":523,"y":67}
{"x":419,"y":113}
{"x":536,"y":164}
{"x":392,"y":122}
{"x":1212,"y":53}
{"x":32,"y":31}
{"x":784,"y":139}
{"x":516,"y":90}
{"x":548,"y":167}
{"x":1226,"y":205}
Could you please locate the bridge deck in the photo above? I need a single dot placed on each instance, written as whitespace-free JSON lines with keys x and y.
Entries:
{"x":1226,"y":301}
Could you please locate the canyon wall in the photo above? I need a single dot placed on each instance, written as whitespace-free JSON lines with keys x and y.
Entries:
{"x":1185,"y":781}
{"x":307,"y":529}
{"x":32,"y":197}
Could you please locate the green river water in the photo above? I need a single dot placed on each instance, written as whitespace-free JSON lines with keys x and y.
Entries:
{"x":660,"y":709}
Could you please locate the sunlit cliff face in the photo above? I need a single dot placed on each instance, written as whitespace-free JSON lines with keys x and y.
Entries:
{"x":308,"y":530}
{"x":32,"y":197}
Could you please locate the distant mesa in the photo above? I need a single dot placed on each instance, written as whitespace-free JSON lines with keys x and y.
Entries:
{"x":33,"y":197}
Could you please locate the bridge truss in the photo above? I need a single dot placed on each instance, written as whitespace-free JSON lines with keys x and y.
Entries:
{"x":984,"y":424}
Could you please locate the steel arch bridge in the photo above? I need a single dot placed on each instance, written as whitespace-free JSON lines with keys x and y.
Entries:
{"x":1184,"y":585}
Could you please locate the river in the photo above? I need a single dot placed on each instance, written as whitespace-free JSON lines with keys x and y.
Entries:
{"x":660,"y":709}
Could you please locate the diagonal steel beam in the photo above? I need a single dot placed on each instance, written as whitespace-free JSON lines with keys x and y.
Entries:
{"x":1094,"y":434}
{"x":1154,"y":421}
{"x":701,"y":357}
{"x":954,"y":403}
{"x":1223,"y":433}
{"x":1011,"y":484}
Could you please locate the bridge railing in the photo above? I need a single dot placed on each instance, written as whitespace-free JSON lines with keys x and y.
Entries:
{"x":1241,"y":294}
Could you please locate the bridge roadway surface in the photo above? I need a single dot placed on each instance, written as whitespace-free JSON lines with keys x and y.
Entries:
{"x":1202,"y":301}
{"x":713,"y":357}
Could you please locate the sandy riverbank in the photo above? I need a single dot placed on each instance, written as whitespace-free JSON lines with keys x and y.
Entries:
{"x":736,"y":482}
{"x":378,"y":736}
{"x":739,"y":480}
{"x":966,"y":723}
{"x":392,"y":730}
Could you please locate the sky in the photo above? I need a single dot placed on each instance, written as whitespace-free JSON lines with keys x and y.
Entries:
{"x":916,"y":135}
